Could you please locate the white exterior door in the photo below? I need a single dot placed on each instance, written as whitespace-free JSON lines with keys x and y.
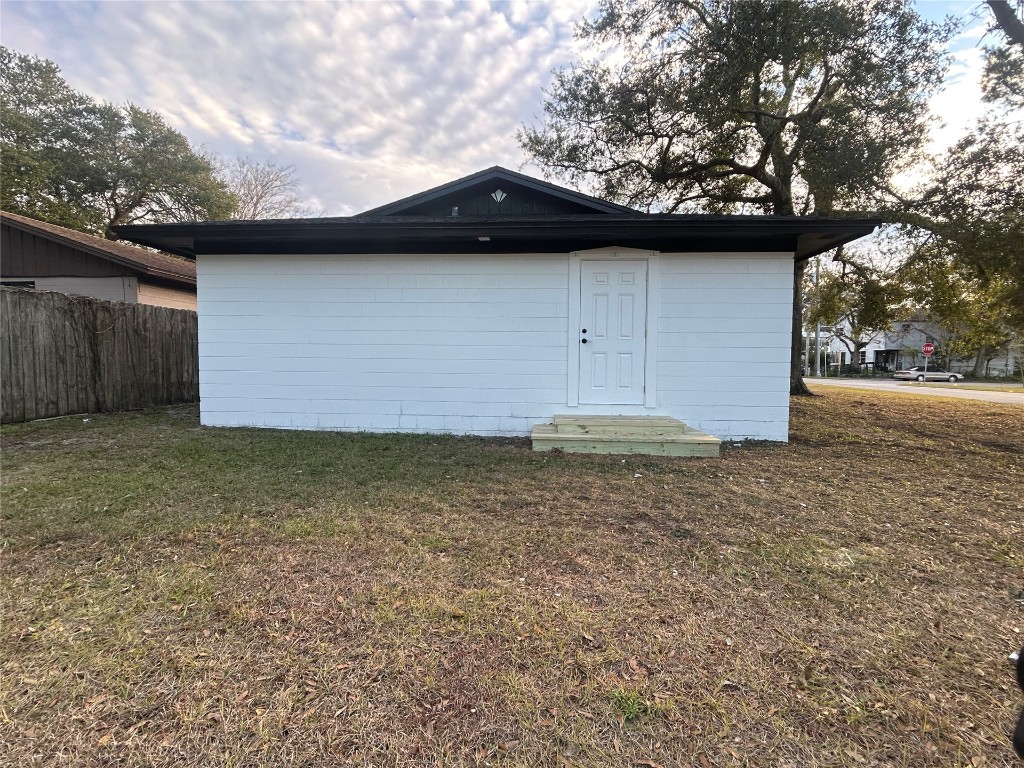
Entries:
{"x":613,"y":331}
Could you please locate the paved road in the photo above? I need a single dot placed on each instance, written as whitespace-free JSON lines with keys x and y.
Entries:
{"x":913,"y":388}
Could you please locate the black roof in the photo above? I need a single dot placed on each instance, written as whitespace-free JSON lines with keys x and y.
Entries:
{"x":544,"y":219}
{"x":159,"y":266}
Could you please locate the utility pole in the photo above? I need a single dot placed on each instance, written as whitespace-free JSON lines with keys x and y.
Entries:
{"x":807,"y":353}
{"x":817,"y":328}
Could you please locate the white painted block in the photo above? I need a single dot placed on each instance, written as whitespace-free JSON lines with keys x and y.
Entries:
{"x":737,"y":356}
{"x":467,"y":344}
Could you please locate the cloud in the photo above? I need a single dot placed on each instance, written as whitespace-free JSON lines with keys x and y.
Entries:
{"x":370,"y":101}
{"x":959,"y":104}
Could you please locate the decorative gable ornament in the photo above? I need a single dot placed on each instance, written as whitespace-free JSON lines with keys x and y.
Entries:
{"x":498,"y":196}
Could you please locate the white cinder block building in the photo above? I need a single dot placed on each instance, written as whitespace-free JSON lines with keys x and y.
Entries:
{"x":492,"y":303}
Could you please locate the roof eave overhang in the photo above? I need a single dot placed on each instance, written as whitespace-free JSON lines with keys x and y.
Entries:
{"x":804,"y":237}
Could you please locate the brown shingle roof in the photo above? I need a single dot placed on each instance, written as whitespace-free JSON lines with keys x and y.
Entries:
{"x":152,"y":263}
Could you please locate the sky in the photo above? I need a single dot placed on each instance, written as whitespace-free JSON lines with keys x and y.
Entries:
{"x":369,"y":101}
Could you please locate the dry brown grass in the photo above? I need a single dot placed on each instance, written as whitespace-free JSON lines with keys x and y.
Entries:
{"x":174,"y":595}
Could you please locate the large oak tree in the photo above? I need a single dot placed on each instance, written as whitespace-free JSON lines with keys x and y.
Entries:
{"x":71,"y":160}
{"x":786,"y":107}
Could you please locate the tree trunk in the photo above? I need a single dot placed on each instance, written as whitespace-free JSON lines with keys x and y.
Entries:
{"x":855,"y":366}
{"x":796,"y":377}
{"x":1007,"y":20}
{"x":981,"y":361}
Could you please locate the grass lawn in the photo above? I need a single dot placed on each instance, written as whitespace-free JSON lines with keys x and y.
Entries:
{"x":182,"y":596}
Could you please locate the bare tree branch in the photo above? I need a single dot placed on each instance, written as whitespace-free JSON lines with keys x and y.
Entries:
{"x":264,"y":190}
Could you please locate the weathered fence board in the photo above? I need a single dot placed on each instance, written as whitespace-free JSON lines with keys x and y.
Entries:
{"x":71,"y":354}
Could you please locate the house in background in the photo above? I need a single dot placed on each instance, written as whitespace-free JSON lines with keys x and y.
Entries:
{"x":899,"y":347}
{"x":492,"y":305}
{"x":46,"y":257}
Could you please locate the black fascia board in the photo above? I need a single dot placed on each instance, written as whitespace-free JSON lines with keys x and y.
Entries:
{"x":804,"y":236}
{"x":498,"y":174}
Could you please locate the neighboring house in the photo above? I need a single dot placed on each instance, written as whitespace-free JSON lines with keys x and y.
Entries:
{"x":874,"y":347}
{"x":34,"y":254}
{"x":899,"y":347}
{"x":492,"y":303}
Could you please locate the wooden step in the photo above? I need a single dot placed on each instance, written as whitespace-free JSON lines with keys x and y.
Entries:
{"x":650,"y":435}
{"x":618,"y":424}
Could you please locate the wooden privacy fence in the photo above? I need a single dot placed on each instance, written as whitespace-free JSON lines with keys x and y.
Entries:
{"x":71,"y":354}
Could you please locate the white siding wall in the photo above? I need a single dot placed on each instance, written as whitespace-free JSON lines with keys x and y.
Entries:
{"x":476,"y":344}
{"x":383,"y":343}
{"x":724,"y":342}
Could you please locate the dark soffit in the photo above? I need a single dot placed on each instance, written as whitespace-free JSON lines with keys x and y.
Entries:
{"x":805,"y":236}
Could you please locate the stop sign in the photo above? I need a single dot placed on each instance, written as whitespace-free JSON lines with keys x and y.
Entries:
{"x":928,"y":348}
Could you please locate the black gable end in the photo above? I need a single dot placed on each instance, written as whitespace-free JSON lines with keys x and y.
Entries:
{"x":498,"y":192}
{"x":497,"y":198}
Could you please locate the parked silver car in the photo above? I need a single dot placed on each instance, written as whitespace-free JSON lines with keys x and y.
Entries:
{"x":918,"y":373}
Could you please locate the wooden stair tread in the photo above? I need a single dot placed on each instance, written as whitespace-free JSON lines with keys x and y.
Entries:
{"x":652,"y":435}
{"x":666,"y":421}
{"x":690,"y":435}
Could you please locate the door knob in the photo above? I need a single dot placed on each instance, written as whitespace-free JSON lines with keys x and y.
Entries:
{"x":583,"y":341}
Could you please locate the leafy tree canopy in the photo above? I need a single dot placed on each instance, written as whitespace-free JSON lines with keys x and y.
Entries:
{"x":973,"y":310}
{"x":786,"y":106}
{"x":40,"y":128}
{"x":71,"y":160}
{"x":1003,"y":80}
{"x":972,"y":206}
